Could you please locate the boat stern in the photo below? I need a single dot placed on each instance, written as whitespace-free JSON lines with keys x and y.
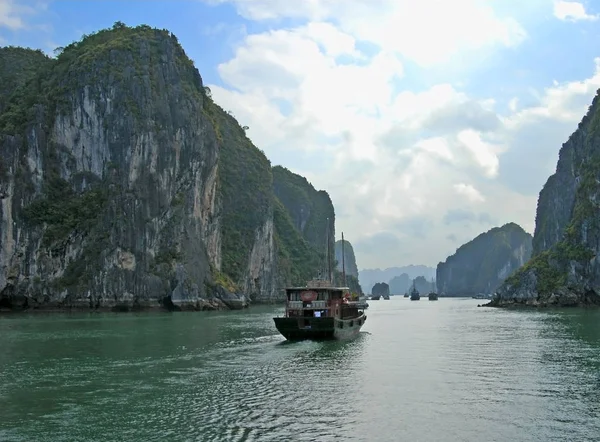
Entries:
{"x":301,"y":328}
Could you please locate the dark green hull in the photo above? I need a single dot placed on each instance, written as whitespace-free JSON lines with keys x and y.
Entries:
{"x":298,"y":329}
{"x":301,"y":328}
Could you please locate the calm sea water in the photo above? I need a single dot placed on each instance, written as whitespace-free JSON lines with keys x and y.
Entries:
{"x":419,"y":371}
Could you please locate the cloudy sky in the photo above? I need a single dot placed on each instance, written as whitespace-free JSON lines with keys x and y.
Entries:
{"x":427,"y":122}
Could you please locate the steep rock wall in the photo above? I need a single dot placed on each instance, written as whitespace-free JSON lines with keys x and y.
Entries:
{"x":565,"y":268}
{"x":481,"y":265}
{"x":124,"y":185}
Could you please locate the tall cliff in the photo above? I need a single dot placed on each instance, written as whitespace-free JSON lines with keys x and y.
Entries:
{"x":123,"y":185}
{"x":310,"y":210}
{"x":480,"y":265}
{"x":565,"y":268}
{"x":351,"y":268}
{"x":349,"y":260}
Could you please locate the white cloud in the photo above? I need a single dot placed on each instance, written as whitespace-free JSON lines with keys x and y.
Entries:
{"x":562,"y":101}
{"x":468,"y":191}
{"x":428,"y":31}
{"x":391,"y":157}
{"x":572,"y":11}
{"x":484,"y":154}
{"x":11,"y":14}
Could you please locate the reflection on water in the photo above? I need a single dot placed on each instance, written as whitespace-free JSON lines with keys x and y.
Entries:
{"x":418,"y":371}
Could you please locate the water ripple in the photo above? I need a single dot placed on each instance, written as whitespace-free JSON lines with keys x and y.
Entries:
{"x":419,"y":371}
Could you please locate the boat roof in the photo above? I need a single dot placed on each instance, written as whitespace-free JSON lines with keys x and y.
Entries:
{"x":317,"y":287}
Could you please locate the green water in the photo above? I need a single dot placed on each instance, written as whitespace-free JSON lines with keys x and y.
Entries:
{"x":419,"y":371}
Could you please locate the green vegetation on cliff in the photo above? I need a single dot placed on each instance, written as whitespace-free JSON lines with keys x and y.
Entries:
{"x":563,"y":269}
{"x":130,"y":181}
{"x":245,"y":189}
{"x":303,"y":217}
{"x":17,"y":67}
{"x":310,"y":210}
{"x":297,"y":260}
{"x":480,"y":265}
{"x":551,"y":266}
{"x":117,"y":56}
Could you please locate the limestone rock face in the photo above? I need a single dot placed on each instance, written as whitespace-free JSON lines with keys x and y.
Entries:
{"x":482,"y":264}
{"x":565,"y":267}
{"x":349,"y":258}
{"x":123,"y":185}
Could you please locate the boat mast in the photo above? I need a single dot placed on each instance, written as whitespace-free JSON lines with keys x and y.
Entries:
{"x":343,"y":261}
{"x":329,"y":254}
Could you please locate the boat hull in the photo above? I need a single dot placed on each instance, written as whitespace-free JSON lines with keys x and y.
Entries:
{"x":316,"y":329}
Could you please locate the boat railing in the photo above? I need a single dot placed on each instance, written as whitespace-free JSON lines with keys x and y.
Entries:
{"x":313,"y":304}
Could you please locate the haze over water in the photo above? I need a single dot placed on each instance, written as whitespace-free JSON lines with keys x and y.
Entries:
{"x":420,"y":371}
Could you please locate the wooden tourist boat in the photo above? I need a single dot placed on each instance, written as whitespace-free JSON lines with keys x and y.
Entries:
{"x":321,"y":310}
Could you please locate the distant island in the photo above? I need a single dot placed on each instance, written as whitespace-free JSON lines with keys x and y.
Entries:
{"x":399,"y":279}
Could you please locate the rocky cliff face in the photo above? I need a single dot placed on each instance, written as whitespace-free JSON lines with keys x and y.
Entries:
{"x":302,"y":245}
{"x":565,"y":268}
{"x":304,"y":219}
{"x":349,"y":258}
{"x":480,"y":265}
{"x":310,"y":210}
{"x":123,"y":185}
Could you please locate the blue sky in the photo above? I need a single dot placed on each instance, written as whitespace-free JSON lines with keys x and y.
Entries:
{"x":195,"y":23}
{"x":405,"y":114}
{"x":209,"y":33}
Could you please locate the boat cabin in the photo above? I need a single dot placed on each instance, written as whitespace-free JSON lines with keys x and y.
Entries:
{"x":319,"y":299}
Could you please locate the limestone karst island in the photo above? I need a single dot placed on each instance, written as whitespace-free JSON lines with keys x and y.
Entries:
{"x":256,"y":221}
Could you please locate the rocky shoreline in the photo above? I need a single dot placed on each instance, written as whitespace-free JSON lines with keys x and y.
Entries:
{"x":26,"y":304}
{"x":561,"y":298}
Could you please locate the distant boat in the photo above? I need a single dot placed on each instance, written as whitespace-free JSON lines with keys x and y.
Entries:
{"x":433,"y":296}
{"x":414,"y":293}
{"x":375,"y":297}
{"x":406,"y":295}
{"x":386,"y":296}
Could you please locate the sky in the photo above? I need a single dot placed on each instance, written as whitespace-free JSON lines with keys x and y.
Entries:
{"x":427,"y":122}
